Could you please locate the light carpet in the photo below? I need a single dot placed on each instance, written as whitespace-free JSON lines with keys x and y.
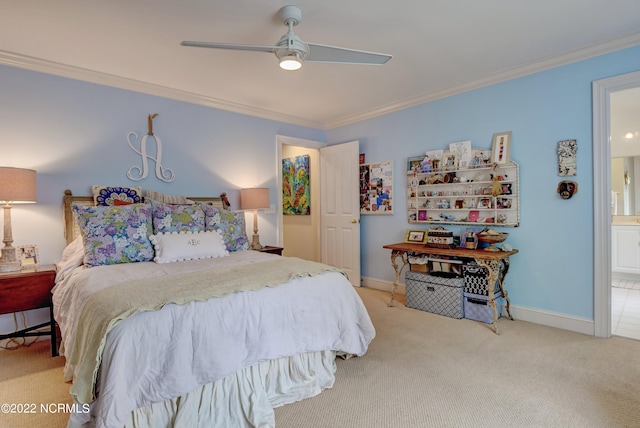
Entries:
{"x":423,"y":370}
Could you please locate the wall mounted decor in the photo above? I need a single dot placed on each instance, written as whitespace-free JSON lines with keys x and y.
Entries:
{"x":137,"y":173}
{"x":481,"y":193}
{"x":567,"y":188}
{"x":376,"y":188}
{"x":567,"y":151}
{"x":296,"y":194}
{"x":501,"y":147}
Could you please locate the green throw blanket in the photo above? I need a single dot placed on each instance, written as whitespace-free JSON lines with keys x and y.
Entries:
{"x":108,"y":307}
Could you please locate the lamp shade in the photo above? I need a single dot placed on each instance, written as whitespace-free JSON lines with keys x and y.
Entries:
{"x":254,"y":198}
{"x":17,"y":185}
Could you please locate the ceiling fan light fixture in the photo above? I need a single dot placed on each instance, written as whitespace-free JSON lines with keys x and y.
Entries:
{"x":290,"y":62}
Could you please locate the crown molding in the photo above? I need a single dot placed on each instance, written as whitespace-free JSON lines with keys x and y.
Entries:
{"x":509,"y":74}
{"x":92,"y":76}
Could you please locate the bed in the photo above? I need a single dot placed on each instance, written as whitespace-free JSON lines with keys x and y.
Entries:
{"x":206,"y":333}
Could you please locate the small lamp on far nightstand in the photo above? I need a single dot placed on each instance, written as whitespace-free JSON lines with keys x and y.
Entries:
{"x":254,"y":199}
{"x":17,"y":186}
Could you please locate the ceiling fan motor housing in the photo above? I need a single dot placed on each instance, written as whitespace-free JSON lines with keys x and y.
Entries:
{"x":290,"y":44}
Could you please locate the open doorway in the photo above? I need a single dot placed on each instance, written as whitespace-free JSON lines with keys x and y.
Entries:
{"x":299,"y":234}
{"x":602,"y":196}
{"x":625,"y":210}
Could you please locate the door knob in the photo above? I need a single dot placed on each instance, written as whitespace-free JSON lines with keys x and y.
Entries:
{"x":354,"y":221}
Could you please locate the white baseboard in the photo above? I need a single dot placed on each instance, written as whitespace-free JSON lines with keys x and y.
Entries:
{"x":536,"y":316}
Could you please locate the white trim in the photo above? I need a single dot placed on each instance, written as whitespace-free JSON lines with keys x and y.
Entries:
{"x":550,"y":319}
{"x":602,"y":90}
{"x":100,"y":78}
{"x":502,"y":76}
{"x":50,"y":67}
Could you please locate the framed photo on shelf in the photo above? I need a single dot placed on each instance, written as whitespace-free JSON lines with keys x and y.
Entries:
{"x":480,"y":158}
{"x":484,"y":203}
{"x":464,"y":151}
{"x":413,"y":164}
{"x":501,"y":147}
{"x":422,"y":215}
{"x":449,"y":161}
{"x":28,"y":255}
{"x":415,"y":236}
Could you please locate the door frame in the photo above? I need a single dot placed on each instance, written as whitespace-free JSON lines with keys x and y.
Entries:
{"x":291,"y":141}
{"x":602,"y":90}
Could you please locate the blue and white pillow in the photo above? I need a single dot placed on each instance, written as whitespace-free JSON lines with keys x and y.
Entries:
{"x":230,"y":223}
{"x":168,"y":218}
{"x":115,"y":234}
{"x":107,"y":195}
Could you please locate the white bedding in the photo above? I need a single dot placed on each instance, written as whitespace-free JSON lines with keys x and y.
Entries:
{"x":159,"y":355}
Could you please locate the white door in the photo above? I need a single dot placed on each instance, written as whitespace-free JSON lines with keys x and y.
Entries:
{"x":340,"y":208}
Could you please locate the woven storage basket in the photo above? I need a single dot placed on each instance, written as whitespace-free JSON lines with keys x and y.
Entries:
{"x":442,"y":296}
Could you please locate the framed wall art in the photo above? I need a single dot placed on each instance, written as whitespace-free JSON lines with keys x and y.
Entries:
{"x":376,"y":188}
{"x":567,"y":151}
{"x":501,"y":147}
{"x":296,"y":195}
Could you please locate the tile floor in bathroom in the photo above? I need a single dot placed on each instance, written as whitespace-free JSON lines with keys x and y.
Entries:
{"x":625,"y":308}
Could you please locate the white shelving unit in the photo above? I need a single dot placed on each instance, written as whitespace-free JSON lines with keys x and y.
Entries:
{"x":464,"y":196}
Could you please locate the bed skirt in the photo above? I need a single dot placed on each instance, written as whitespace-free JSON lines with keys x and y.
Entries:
{"x":244,"y":399}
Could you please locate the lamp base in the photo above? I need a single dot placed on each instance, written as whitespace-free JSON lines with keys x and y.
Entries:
{"x":9,"y":261}
{"x":10,"y":267}
{"x":255,"y":242}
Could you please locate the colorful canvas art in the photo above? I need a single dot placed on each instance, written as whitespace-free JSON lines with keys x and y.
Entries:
{"x":296,"y":198}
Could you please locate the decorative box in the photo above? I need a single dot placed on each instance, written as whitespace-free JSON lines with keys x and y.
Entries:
{"x":438,"y":295}
{"x":440,"y":238}
{"x":476,"y":280}
{"x":476,"y":307}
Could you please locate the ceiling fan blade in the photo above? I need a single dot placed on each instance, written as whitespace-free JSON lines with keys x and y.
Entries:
{"x":324,"y":53}
{"x":231,"y":46}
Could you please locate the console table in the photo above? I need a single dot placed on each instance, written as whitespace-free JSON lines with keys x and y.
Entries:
{"x":492,"y":260}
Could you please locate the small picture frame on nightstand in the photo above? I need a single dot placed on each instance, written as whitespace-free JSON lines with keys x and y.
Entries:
{"x":28,"y":255}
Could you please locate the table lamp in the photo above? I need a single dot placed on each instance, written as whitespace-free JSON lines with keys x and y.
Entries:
{"x":254,"y":199}
{"x":17,"y":186}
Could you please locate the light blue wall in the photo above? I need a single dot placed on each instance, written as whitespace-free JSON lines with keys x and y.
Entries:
{"x":74,"y":134}
{"x":554,"y":269}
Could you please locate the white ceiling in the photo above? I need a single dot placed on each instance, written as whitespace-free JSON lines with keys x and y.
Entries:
{"x":439,"y":48}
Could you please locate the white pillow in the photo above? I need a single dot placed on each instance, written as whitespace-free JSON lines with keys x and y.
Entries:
{"x":175,"y":247}
{"x":72,"y":257}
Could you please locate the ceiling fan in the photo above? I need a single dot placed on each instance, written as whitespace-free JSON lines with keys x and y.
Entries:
{"x":292,"y":51}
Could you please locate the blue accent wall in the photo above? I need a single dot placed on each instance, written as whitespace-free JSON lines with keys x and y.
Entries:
{"x":74,"y":134}
{"x":554,"y":269}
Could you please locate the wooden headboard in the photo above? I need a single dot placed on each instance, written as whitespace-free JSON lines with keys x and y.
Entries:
{"x":71,"y":229}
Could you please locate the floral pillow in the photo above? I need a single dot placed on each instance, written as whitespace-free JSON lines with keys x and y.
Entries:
{"x":115,"y":234}
{"x":169,"y":218}
{"x":230,"y":223}
{"x":105,"y":195}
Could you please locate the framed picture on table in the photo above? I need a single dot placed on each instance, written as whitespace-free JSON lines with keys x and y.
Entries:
{"x":28,"y":255}
{"x":415,"y":236}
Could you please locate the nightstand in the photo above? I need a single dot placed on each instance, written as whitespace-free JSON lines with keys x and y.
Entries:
{"x":272,"y":250}
{"x":25,"y":290}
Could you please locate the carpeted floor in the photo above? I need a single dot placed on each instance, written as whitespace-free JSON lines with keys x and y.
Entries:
{"x":422,"y":370}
